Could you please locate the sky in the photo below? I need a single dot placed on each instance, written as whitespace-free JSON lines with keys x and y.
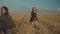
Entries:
{"x":25,"y":6}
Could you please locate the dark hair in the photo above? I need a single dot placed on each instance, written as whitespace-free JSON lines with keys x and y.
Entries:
{"x":32,"y":13}
{"x":33,"y":9}
{"x":6,"y":9}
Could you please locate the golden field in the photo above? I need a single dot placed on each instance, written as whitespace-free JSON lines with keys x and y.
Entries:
{"x":48,"y":24}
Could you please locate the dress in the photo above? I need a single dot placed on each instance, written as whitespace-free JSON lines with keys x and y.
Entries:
{"x":33,"y":17}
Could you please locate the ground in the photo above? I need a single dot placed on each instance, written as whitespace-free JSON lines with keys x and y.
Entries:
{"x":48,"y":24}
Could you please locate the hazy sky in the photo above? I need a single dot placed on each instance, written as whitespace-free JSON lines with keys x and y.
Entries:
{"x":25,"y":6}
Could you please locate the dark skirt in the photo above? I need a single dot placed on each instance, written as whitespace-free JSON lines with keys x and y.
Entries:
{"x":6,"y":22}
{"x":33,"y":19}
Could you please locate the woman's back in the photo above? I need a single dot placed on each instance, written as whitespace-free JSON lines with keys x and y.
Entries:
{"x":6,"y":22}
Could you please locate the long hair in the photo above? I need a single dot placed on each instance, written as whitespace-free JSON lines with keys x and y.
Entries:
{"x":33,"y":9}
{"x":6,"y":9}
{"x":32,"y":13}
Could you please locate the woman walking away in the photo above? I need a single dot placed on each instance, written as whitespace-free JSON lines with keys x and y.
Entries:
{"x":6,"y":22}
{"x":34,"y":17}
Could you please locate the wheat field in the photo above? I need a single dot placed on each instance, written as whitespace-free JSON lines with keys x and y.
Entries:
{"x":48,"y":24}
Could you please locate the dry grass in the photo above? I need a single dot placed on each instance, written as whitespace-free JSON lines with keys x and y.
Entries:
{"x":48,"y":24}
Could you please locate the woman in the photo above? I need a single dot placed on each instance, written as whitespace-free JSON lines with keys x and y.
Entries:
{"x":33,"y":16}
{"x":6,"y":22}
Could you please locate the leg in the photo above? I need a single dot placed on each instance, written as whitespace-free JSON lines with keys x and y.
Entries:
{"x":35,"y":23}
{"x":32,"y":23}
